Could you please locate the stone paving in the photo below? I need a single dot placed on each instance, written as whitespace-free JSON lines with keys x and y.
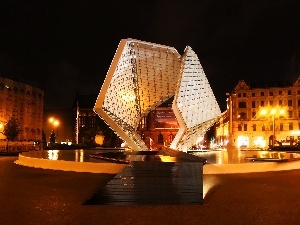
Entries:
{"x":40,"y":196}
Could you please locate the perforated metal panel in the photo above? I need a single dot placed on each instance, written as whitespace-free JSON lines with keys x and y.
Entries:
{"x":194,"y":105}
{"x":142,"y":76}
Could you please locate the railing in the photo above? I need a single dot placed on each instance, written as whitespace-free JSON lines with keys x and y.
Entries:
{"x":19,"y":148}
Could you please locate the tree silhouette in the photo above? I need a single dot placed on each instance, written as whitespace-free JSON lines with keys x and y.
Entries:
{"x":12,"y":129}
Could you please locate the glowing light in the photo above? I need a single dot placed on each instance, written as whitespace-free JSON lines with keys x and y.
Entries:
{"x":263,"y":112}
{"x":53,"y":154}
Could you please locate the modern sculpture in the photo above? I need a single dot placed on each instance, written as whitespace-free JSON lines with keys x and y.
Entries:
{"x":143,"y":75}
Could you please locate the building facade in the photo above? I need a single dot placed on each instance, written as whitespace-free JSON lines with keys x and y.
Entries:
{"x":261,"y":116}
{"x":87,"y":125}
{"x":25,"y":103}
{"x":159,"y":128}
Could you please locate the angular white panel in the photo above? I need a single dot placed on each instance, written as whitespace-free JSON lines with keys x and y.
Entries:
{"x":142,"y":76}
{"x":194,"y":105}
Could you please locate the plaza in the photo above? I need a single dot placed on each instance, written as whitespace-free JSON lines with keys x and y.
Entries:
{"x":42,"y":196}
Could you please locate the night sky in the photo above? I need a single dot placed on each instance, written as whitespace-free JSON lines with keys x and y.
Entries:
{"x":67,"y":45}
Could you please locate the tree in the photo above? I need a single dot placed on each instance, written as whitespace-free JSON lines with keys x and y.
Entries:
{"x":12,"y":129}
{"x":52,"y":137}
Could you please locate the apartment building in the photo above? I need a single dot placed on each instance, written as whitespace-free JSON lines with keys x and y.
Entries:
{"x":25,"y":103}
{"x":261,"y":115}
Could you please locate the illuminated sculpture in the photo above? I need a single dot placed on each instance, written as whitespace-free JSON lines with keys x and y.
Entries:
{"x":194,"y":105}
{"x":143,"y":75}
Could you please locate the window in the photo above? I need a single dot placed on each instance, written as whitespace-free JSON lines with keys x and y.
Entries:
{"x":298,"y":102}
{"x":245,"y":127}
{"x":281,"y":127}
{"x":239,"y":95}
{"x":289,"y":92}
{"x":254,"y":127}
{"x":253,"y":114}
{"x":291,"y":126}
{"x":242,"y":105}
{"x":262,"y":93}
{"x":253,"y":94}
{"x":298,"y":92}
{"x":279,"y":92}
{"x":271,"y":93}
{"x":262,"y":103}
{"x":280,"y":102}
{"x":160,"y":139}
{"x":290,"y":114}
{"x":239,"y":127}
{"x":271,"y":126}
{"x":271,"y":103}
{"x":143,"y":122}
{"x":242,"y":115}
{"x":171,"y":137}
{"x":290,"y":102}
{"x":244,"y":94}
{"x":299,"y":114}
{"x":263,"y":127}
{"x":253,"y":104}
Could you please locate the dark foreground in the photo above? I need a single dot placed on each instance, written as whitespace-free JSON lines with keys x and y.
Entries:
{"x":37,"y":196}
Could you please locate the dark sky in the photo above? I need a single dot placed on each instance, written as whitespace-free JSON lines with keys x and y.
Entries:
{"x":67,"y":45}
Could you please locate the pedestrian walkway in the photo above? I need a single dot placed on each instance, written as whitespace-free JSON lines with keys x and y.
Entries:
{"x":34,"y":196}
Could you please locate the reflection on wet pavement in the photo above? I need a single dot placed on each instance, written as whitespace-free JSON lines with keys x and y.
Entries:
{"x":152,"y":183}
{"x":236,"y":157}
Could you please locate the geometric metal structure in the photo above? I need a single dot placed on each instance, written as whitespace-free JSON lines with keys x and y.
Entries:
{"x":194,"y":105}
{"x":143,"y":75}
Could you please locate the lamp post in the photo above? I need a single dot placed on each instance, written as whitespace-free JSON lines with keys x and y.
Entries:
{"x":273,"y":112}
{"x":230,"y":144}
{"x":55,"y":124}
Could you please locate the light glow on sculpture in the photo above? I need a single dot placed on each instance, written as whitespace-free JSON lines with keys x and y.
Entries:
{"x":194,"y":105}
{"x":142,"y":76}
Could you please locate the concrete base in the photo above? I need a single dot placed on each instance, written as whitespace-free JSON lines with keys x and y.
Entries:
{"x":114,"y":168}
{"x":109,"y":168}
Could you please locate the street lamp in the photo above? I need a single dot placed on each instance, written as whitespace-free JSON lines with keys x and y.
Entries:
{"x":55,"y":124}
{"x":229,"y":100}
{"x":272,"y":112}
